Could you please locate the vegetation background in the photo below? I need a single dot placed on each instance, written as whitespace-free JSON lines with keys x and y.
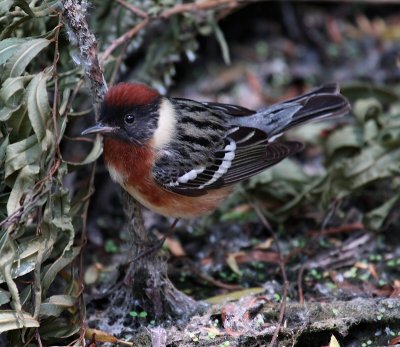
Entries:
{"x":333,"y":208}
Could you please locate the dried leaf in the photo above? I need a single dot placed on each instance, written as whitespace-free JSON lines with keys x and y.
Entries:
{"x":175,"y":247}
{"x":102,"y":336}
{"x":233,"y":296}
{"x":232,"y":263}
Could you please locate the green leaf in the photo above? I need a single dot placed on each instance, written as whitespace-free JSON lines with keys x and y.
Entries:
{"x":4,"y":297}
{"x":21,"y":154}
{"x":219,"y":35}
{"x":57,"y":212}
{"x":38,"y":105}
{"x":355,"y":91}
{"x":58,"y":328}
{"x":375,"y":218}
{"x":55,"y":305}
{"x":382,"y":164}
{"x":23,"y":186}
{"x":389,"y":136}
{"x":25,"y":258}
{"x":9,"y":30}
{"x":16,"y":65}
{"x":19,"y":123}
{"x":51,"y":271}
{"x":12,"y":86}
{"x":9,"y":320}
{"x":5,"y":6}
{"x":287,"y":170}
{"x":5,"y":142}
{"x":95,"y":152}
{"x":24,"y":6}
{"x":371,"y":130}
{"x":7,"y":112}
{"x":8,"y":47}
{"x":365,"y":109}
{"x":346,"y":137}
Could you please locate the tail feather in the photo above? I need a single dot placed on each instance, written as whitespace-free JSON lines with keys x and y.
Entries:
{"x":323,"y":102}
{"x":320,"y":106}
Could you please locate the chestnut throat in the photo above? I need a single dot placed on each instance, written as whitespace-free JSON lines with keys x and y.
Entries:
{"x":132,"y":162}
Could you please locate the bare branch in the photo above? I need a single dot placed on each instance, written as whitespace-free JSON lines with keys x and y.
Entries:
{"x":79,"y":33}
{"x":125,"y":37}
{"x":196,"y":6}
{"x":132,"y":8}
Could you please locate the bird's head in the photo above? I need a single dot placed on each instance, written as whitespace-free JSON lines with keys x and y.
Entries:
{"x":130,"y":112}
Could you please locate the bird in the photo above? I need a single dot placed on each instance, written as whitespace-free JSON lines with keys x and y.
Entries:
{"x":181,"y":158}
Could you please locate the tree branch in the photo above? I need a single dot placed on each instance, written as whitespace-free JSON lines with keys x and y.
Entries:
{"x":78,"y":30}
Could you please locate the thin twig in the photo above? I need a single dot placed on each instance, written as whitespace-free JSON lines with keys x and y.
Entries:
{"x":196,"y":6}
{"x":117,"y":64}
{"x":55,"y":77}
{"x":337,"y":230}
{"x":78,"y":138}
{"x":82,"y":244}
{"x":123,"y":38}
{"x":213,"y":281}
{"x":283,"y":271}
{"x":157,"y":246}
{"x":133,"y":9}
{"x":300,"y":284}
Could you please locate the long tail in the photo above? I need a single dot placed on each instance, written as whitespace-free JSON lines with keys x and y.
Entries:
{"x":323,"y":102}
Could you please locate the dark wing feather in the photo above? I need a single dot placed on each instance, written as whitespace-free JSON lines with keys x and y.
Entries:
{"x":262,"y":157}
{"x":253,"y":154}
{"x":233,"y":110}
{"x":216,"y":107}
{"x":245,"y":145}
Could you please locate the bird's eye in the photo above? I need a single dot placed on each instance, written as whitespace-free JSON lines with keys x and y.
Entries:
{"x":129,"y":119}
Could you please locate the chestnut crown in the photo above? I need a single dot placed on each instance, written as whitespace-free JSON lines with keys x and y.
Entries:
{"x":129,"y":113}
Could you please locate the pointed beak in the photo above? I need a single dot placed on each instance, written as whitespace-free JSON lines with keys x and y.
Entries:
{"x":98,"y":128}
